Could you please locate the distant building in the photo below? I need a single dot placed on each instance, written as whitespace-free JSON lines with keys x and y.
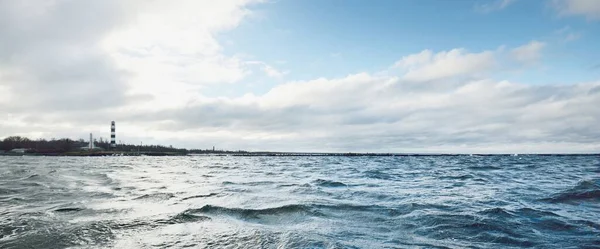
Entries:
{"x":21,"y":150}
{"x":91,"y":145}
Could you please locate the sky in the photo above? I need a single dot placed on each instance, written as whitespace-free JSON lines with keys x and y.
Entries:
{"x":411,"y":76}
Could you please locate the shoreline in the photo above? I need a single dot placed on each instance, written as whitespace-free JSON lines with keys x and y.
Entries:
{"x":279,"y":154}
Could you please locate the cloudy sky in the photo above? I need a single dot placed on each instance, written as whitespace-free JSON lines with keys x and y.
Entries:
{"x":466,"y":76}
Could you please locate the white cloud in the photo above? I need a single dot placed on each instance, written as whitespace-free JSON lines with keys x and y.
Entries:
{"x":268,"y":69}
{"x":572,"y":37}
{"x":568,"y":34}
{"x":363,"y":112}
{"x":121,"y":52}
{"x":65,"y":71}
{"x":528,"y":53}
{"x":492,"y":6}
{"x":587,"y":8}
{"x":563,"y":30}
{"x":273,"y":72}
{"x":427,"y":66}
{"x":171,"y":51}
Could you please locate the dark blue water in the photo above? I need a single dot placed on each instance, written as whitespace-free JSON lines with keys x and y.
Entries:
{"x":300,"y":202}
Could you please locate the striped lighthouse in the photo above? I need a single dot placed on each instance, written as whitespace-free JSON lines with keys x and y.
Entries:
{"x":112,"y":135}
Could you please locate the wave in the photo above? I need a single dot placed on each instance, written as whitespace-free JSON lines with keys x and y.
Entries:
{"x":496,"y":212}
{"x":68,"y":209}
{"x":184,"y":217}
{"x":487,"y":167}
{"x":459,"y":177}
{"x":257,"y":183}
{"x":530,"y":212}
{"x":329,"y":183}
{"x":584,"y":191}
{"x":376,"y":174}
{"x":287,"y":209}
{"x":155,"y":196}
{"x":34,"y":176}
{"x":473,"y":228}
{"x":288,"y":185}
{"x":6,"y":191}
{"x":301,"y":211}
{"x":43,"y":234}
{"x":275,"y":215}
{"x":377,"y":210}
{"x":521,"y":213}
{"x":589,"y":224}
{"x":503,"y":239}
{"x":198,"y":196}
{"x":539,"y":219}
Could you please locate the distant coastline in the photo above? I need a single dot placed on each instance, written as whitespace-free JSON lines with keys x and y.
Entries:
{"x":270,"y":154}
{"x":22,"y":146}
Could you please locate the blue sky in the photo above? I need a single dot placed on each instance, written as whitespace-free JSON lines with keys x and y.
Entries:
{"x":335,"y":38}
{"x":460,"y":76}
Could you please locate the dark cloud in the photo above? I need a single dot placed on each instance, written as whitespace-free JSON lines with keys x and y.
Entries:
{"x":50,"y":56}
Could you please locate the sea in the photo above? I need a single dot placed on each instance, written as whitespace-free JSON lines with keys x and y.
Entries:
{"x":459,"y":201}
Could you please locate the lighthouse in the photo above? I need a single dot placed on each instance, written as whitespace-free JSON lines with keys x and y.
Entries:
{"x":113,"y":145}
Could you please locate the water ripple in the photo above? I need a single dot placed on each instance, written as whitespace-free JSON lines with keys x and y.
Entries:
{"x":300,"y":202}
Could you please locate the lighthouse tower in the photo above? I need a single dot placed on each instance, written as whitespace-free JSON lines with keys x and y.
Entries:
{"x":112,"y":135}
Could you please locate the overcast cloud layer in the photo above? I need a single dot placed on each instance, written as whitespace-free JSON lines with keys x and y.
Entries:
{"x":66,"y":71}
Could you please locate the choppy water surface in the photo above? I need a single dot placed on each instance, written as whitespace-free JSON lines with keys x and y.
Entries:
{"x":300,"y":202}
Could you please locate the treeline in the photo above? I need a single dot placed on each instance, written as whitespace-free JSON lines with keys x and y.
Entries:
{"x":39,"y":145}
{"x":66,"y":145}
{"x":144,"y":148}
